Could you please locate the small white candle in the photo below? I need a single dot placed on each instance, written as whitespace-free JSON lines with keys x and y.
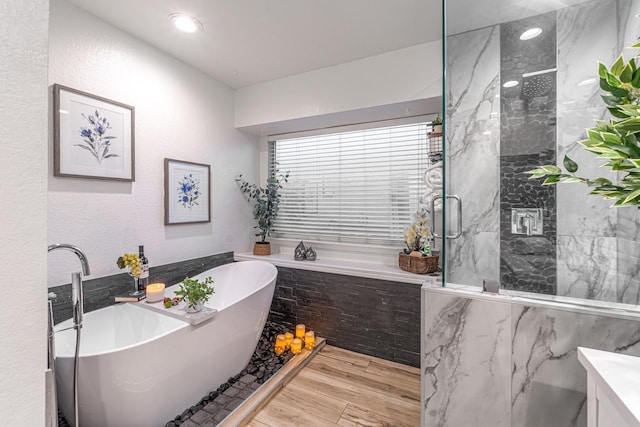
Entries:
{"x":155,"y":292}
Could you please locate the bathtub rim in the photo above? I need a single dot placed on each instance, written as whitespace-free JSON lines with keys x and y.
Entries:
{"x":67,"y":325}
{"x":269,"y":266}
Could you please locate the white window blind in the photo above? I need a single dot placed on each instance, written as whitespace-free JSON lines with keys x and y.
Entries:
{"x":359,"y":186}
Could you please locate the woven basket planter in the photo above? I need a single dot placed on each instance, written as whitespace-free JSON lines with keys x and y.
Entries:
{"x":260,"y":248}
{"x":418,"y":264}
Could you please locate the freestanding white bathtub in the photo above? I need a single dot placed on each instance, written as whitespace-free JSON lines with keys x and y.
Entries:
{"x":141,"y":368}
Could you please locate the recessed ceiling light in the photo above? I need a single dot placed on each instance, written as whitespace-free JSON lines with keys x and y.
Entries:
{"x":185,"y":23}
{"x":587,"y":82}
{"x":531,"y":33}
{"x":486,"y":132}
{"x":511,"y":83}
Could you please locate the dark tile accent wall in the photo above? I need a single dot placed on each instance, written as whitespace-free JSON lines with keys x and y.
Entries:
{"x":527,"y":140}
{"x":375,"y":317}
{"x":100,"y":292}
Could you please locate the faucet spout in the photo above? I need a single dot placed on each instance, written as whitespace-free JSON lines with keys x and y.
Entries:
{"x":76,"y":250}
{"x":77,"y":299}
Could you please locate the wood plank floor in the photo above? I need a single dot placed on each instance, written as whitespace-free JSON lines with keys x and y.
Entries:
{"x":347,"y":389}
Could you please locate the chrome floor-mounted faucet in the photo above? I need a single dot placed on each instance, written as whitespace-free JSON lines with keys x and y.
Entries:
{"x":78,"y":311}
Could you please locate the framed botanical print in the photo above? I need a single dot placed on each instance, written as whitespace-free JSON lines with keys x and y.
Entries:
{"x":186,"y":192}
{"x":93,"y":136}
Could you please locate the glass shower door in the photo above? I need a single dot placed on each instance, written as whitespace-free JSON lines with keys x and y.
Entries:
{"x":471,"y":108}
{"x":521,"y":85}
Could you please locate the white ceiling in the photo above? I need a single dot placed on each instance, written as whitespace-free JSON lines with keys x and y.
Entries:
{"x":252,"y":41}
{"x":245,"y":42}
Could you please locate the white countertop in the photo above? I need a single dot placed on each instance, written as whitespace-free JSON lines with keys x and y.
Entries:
{"x":372,"y":270}
{"x":619,"y":375}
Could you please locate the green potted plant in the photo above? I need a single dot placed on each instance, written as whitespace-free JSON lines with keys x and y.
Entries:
{"x":616,"y":141}
{"x":195,"y":293}
{"x":266,"y":203}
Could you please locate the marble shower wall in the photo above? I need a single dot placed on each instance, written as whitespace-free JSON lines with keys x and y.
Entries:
{"x":588,"y":250}
{"x":598,"y":247}
{"x":587,"y":226}
{"x":497,"y":362}
{"x":527,"y":140}
{"x":473,"y":136}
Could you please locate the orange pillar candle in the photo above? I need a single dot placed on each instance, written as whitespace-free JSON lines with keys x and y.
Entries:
{"x":296,"y":346}
{"x":309,"y":340}
{"x":288,"y":338}
{"x":280,"y":345}
{"x":300,"y":331}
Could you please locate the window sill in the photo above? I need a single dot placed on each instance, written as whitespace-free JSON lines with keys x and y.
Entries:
{"x":358,"y":268}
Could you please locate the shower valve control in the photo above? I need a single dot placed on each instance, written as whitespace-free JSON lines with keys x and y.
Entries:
{"x":527,"y":221}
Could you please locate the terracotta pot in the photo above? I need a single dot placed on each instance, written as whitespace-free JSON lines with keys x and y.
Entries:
{"x":262,"y":248}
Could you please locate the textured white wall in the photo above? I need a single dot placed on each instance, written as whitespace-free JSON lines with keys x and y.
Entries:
{"x":180,"y":114}
{"x":403,"y":75}
{"x":23,"y":177}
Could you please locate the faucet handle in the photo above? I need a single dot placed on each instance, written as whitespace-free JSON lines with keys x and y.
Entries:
{"x":77,"y":298}
{"x":526,"y":221}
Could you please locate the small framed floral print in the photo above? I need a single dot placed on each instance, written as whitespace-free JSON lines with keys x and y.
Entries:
{"x":186,"y":192}
{"x":93,"y":136}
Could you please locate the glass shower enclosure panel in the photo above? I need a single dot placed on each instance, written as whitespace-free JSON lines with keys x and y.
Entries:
{"x":521,"y":85}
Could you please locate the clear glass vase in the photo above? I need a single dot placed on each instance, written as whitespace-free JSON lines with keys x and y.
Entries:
{"x":135,"y":291}
{"x":196,"y":308}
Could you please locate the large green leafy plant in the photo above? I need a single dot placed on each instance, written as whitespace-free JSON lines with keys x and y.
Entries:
{"x":265,"y":201}
{"x":615,"y":140}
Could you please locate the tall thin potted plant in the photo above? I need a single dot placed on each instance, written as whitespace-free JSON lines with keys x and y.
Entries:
{"x":266,"y":204}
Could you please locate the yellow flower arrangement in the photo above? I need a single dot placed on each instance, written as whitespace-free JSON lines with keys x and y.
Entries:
{"x":417,"y":234}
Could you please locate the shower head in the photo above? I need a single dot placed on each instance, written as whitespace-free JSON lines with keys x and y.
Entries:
{"x":536,"y":84}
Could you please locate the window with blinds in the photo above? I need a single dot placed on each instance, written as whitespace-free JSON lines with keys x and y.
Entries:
{"x":358,"y":186}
